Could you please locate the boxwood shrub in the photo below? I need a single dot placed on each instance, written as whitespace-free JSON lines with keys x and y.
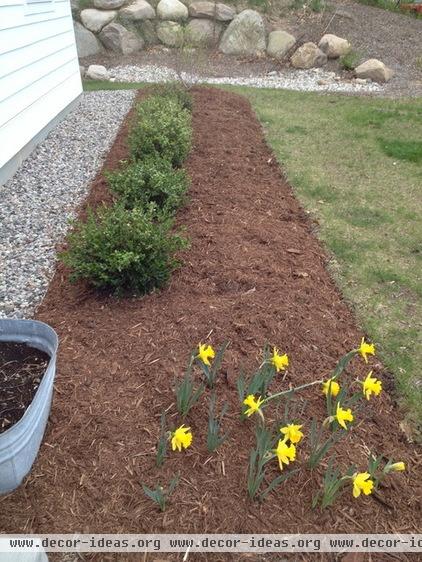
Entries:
{"x":152,"y":180}
{"x":123,"y":250}
{"x":162,"y":128}
{"x":177,"y":92}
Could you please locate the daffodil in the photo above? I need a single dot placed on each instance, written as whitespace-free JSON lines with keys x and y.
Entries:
{"x":371,"y":385}
{"x":397,"y":467}
{"x":280,"y":362}
{"x":206,"y":353}
{"x":332,"y":386}
{"x":254,"y":405}
{"x":285,"y":453}
{"x":292,"y":432}
{"x":366,"y":349}
{"x":362,"y":483}
{"x":181,"y":438}
{"x":342,"y":416}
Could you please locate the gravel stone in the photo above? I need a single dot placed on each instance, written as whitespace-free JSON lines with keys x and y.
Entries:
{"x":288,"y":79}
{"x":37,"y":203}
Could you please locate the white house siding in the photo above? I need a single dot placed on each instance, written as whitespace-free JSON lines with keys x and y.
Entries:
{"x":39,"y":71}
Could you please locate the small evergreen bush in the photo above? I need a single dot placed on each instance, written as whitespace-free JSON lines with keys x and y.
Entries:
{"x":152,"y":180}
{"x":123,"y":250}
{"x":162,"y":128}
{"x":176,"y":92}
{"x":351,"y":60}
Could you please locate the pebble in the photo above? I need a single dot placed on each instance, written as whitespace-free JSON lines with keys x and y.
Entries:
{"x":287,"y":79}
{"x":38,"y":202}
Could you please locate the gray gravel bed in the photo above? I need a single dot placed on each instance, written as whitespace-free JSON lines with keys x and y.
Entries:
{"x":314,"y":80}
{"x":37,"y":203}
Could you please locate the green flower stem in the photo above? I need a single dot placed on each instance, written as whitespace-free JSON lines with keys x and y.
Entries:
{"x":301,"y":387}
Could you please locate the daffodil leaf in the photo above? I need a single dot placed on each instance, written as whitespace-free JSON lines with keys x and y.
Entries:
{"x":342,"y":364}
{"x":277,"y":481}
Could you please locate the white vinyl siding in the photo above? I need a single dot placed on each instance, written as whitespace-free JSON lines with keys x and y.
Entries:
{"x":39,"y":69}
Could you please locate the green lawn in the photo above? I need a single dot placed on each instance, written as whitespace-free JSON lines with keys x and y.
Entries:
{"x":356,"y":165}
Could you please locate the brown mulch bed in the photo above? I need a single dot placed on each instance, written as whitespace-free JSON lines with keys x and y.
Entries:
{"x":22,"y":368}
{"x":255,"y":273}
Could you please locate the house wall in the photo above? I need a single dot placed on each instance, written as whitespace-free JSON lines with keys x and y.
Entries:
{"x":39,"y":74}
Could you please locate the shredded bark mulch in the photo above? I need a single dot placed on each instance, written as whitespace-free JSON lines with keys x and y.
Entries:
{"x":21,"y":370}
{"x":255,"y":273}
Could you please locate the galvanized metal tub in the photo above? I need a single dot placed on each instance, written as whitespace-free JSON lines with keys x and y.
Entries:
{"x":19,"y":445}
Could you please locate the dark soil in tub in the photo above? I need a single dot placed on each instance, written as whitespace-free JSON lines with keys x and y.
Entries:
{"x":22,"y":368}
{"x":255,"y":273}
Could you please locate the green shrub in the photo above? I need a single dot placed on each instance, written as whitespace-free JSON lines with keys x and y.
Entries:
{"x":123,"y":250}
{"x":351,"y":60}
{"x":152,"y":180}
{"x":161,"y":129}
{"x":176,"y":92}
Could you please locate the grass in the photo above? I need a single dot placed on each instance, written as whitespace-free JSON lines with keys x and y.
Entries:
{"x":392,"y":6}
{"x":356,"y":165}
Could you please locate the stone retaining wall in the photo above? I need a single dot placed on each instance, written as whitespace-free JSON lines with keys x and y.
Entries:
{"x":126,"y":27}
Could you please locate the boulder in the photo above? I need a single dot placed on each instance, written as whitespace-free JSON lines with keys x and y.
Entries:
{"x":138,"y":11}
{"x":170,"y":33}
{"x":245,"y":35}
{"x":108,"y":4}
{"x":172,"y":10}
{"x":86,"y":42}
{"x":81,"y":70}
{"x":148,"y":32}
{"x":375,"y":70}
{"x":224,"y":12}
{"x":95,"y":20}
{"x":308,"y":56}
{"x":279,"y":43}
{"x":118,"y":39}
{"x":218,"y":11}
{"x":203,"y":32}
{"x":333,"y":46}
{"x":97,"y":72}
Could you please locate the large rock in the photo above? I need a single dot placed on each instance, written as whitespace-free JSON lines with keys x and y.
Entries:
{"x":117,"y":38}
{"x":375,"y":70}
{"x":172,"y":10}
{"x":86,"y":42}
{"x":203,"y":32}
{"x":279,"y":43}
{"x":148,"y":32}
{"x":138,"y":11}
{"x":224,"y":12}
{"x":108,"y":4}
{"x":308,"y":56}
{"x":333,"y":46}
{"x":218,"y":11}
{"x":97,"y":72}
{"x":95,"y":20}
{"x":170,"y":33}
{"x":245,"y":35}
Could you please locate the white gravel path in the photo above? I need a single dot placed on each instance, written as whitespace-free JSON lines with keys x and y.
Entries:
{"x":299,"y":80}
{"x":37,"y":203}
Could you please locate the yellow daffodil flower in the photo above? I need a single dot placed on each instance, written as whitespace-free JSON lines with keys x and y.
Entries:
{"x":342,"y":416}
{"x":292,"y":432}
{"x":254,"y":405}
{"x":285,"y":453}
{"x":397,"y":467}
{"x":371,"y":385}
{"x":280,"y":362}
{"x":331,"y":385}
{"x":362,"y":483}
{"x":206,"y":353}
{"x":366,"y":349}
{"x":181,"y":438}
